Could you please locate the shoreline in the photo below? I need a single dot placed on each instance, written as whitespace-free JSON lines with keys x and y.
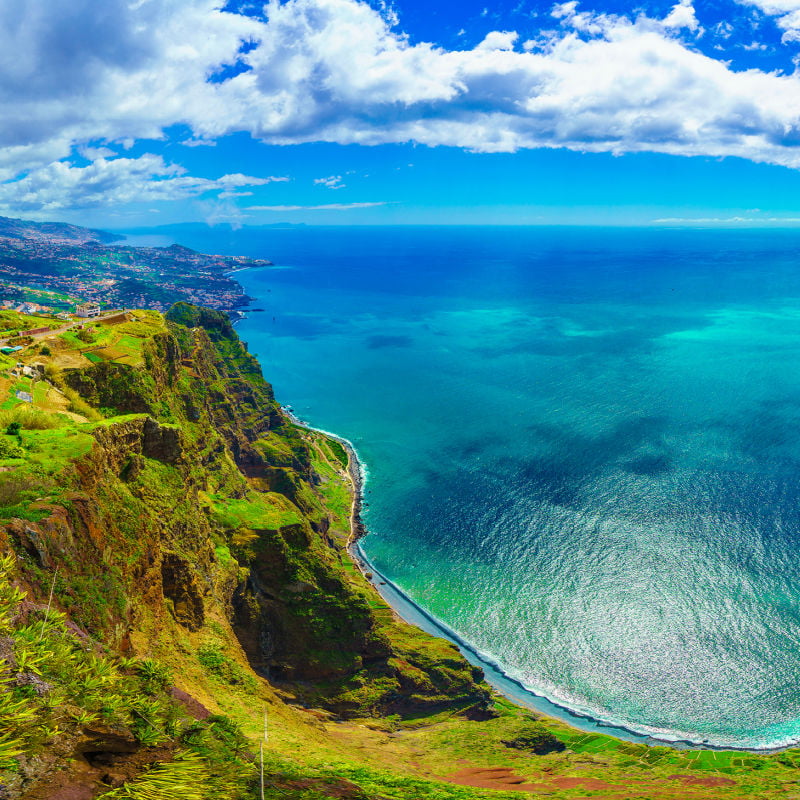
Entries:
{"x":506,"y":685}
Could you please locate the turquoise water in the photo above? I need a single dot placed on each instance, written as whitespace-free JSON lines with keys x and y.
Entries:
{"x":583,"y":449}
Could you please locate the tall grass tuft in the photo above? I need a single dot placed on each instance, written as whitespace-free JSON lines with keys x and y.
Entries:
{"x":77,"y":405}
{"x":185,"y":778}
{"x":29,"y":418}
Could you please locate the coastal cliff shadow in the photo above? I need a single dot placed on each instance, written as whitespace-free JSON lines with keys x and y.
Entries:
{"x":625,"y":336}
{"x":768,"y":430}
{"x":304,"y":326}
{"x":380,"y":341}
{"x":569,"y":460}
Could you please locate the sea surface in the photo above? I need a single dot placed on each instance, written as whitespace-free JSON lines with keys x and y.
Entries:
{"x":583,"y":448}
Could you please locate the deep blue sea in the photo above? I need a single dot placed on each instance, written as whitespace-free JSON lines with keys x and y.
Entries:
{"x":583,"y":448}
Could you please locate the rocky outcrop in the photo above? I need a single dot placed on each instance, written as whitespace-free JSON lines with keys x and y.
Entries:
{"x":180,"y":585}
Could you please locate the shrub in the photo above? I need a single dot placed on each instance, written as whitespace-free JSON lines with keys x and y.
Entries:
{"x":85,"y":335}
{"x":12,"y":489}
{"x":45,"y":351}
{"x":181,"y":779}
{"x":10,"y":450}
{"x":215,"y":662}
{"x":157,"y":676}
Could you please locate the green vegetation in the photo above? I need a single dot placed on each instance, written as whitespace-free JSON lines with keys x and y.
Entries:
{"x":184,"y":778}
{"x":224,"y":668}
{"x":180,"y":540}
{"x":54,"y":686}
{"x":257,"y":510}
{"x":27,"y":417}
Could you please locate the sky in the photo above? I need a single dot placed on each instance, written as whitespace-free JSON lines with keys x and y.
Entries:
{"x":132,"y":113}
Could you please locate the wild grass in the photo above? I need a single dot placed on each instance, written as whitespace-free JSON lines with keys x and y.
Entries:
{"x":29,"y":418}
{"x":81,"y":687}
{"x":184,"y":778}
{"x":221,"y":666}
{"x":256,"y":511}
{"x":77,"y":405}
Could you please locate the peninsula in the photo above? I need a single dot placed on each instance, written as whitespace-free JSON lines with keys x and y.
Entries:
{"x":56,"y":264}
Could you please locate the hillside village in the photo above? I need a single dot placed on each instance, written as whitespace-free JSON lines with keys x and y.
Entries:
{"x":54,"y":267}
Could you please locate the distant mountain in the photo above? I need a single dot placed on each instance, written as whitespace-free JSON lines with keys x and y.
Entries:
{"x":54,"y":232}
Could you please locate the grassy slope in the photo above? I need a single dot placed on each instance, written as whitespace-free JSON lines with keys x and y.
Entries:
{"x":208,"y":511}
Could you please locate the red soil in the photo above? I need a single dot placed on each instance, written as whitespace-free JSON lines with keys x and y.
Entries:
{"x":504,"y":779}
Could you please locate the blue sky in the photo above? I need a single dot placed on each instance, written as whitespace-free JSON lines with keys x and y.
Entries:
{"x":128,"y":113}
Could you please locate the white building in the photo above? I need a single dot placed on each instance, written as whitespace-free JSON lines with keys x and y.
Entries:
{"x":88,"y":309}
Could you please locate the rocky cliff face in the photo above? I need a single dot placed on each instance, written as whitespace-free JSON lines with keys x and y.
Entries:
{"x":194,"y":508}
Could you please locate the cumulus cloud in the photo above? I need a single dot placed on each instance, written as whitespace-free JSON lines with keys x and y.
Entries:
{"x":334,"y":70}
{"x":114,"y":182}
{"x":786,"y":13}
{"x":74,"y":71}
{"x":682,"y":16}
{"x":331,"y":182}
{"x":75,"y":74}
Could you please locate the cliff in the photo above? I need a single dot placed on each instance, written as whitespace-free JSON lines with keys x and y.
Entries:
{"x":175,"y":589}
{"x":183,"y":512}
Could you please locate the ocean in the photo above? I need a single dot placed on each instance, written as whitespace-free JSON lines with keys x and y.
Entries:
{"x":582,"y":444}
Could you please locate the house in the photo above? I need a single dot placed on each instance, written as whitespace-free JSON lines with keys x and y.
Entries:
{"x":63,"y":315}
{"x":88,"y":309}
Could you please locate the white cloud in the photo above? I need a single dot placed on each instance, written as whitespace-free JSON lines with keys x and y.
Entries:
{"x":325,"y":207}
{"x":682,"y":16}
{"x":333,"y":70}
{"x":114,"y":182}
{"x":499,"y":40}
{"x":76,"y":74}
{"x":723,"y":29}
{"x":633,"y":87}
{"x":75,"y":71}
{"x":747,"y":221}
{"x":787,"y":13}
{"x":331,"y":182}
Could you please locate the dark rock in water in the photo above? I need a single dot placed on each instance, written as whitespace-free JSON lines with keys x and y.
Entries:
{"x":535,"y":738}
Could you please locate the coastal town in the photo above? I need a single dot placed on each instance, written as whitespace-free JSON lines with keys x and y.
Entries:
{"x":55,"y":267}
